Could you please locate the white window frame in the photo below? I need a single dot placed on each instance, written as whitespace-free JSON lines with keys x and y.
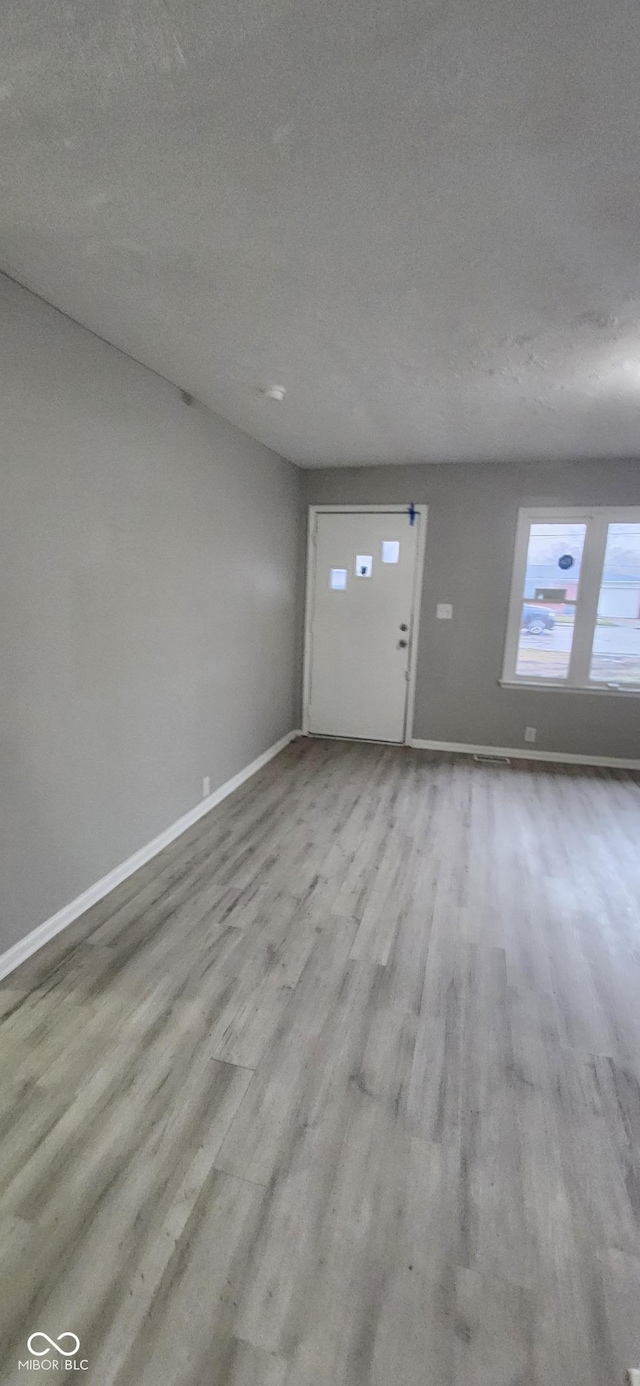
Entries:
{"x":597,"y":520}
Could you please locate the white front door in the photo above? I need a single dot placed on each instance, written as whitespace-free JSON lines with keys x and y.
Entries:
{"x":359,"y":625}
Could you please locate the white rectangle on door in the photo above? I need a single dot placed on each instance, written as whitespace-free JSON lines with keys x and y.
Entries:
{"x":338,"y":579}
{"x":360,"y":644}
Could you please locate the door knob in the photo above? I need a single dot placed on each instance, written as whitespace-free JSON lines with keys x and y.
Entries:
{"x":402,"y":644}
{"x":403,"y":626}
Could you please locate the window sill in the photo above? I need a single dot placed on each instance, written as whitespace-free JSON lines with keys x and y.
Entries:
{"x":556,"y":686}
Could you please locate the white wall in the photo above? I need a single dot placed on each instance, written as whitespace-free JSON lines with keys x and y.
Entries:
{"x":148,"y":556}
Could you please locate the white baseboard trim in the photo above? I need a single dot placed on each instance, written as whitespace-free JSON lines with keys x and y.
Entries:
{"x":25,"y":947}
{"x":517,"y":753}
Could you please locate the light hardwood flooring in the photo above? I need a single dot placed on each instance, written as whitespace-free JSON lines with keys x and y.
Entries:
{"x":340,"y":1090}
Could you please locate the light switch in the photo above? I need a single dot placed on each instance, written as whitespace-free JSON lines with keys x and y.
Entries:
{"x":444,"y":611}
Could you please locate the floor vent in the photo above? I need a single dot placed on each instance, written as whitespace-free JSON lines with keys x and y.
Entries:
{"x":492,"y":760}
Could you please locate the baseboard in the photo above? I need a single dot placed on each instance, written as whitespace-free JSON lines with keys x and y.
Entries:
{"x":517,"y":753}
{"x":25,"y":947}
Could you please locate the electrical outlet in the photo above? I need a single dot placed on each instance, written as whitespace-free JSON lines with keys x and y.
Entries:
{"x":444,"y":611}
{"x":530,"y":733}
{"x":206,"y":786}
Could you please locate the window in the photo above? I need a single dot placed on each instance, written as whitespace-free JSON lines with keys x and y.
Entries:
{"x":574,"y":615}
{"x":615,"y":651}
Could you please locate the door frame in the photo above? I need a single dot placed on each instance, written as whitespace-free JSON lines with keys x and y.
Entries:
{"x":416,"y":600}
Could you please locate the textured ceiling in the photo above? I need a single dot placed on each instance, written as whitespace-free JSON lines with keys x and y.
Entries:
{"x":422,"y":218}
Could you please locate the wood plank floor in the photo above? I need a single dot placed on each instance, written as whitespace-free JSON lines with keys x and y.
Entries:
{"x":341,"y":1090}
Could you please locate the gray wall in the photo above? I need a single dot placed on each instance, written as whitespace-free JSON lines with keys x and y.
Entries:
{"x":148,"y":556}
{"x":469,"y":553}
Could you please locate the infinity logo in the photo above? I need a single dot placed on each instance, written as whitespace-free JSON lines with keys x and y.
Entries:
{"x":55,"y":1345}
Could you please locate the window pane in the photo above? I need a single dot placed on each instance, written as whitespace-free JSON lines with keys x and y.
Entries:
{"x":549,"y":599}
{"x":616,"y":646}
